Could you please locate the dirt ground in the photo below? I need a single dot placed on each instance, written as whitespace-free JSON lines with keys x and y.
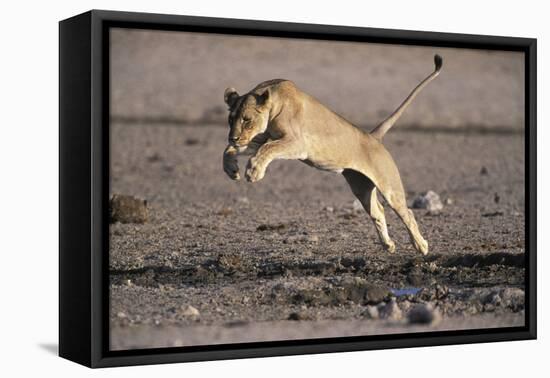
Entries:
{"x":291,"y":258}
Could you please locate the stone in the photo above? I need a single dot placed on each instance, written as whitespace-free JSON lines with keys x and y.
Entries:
{"x":376,"y":294}
{"x":271,"y":227}
{"x":424,"y":313}
{"x":359,"y":290}
{"x":243,"y":200}
{"x":513,"y":298}
{"x":390,"y":311}
{"x":312,"y":239}
{"x":190,"y":312}
{"x":225,"y":211}
{"x":127,"y":209}
{"x":429,"y":201}
{"x":371,"y":312}
{"x":296,"y":316}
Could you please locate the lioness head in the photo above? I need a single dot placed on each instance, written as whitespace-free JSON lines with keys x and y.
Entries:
{"x":248,"y":116}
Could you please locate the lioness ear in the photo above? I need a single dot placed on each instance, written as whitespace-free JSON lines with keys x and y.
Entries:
{"x":264,"y":97}
{"x":230,"y":96}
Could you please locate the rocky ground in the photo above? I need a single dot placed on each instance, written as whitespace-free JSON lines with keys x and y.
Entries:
{"x":291,"y":257}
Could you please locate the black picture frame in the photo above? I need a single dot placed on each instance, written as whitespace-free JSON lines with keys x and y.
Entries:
{"x":84,"y":174}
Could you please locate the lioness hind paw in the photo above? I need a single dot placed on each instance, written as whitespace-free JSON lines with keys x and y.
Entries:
{"x":390,"y":247}
{"x":422,"y":247}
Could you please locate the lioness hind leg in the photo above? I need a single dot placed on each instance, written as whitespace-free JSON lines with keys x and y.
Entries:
{"x":396,"y":200}
{"x":365,"y":191}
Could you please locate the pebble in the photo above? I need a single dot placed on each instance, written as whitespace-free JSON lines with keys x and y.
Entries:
{"x":429,"y":201}
{"x":312,"y":239}
{"x":190,"y":311}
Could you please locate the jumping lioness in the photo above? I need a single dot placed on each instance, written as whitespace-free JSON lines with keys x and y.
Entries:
{"x":276,"y":120}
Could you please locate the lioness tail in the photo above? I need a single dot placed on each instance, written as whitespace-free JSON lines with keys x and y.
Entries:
{"x":379,"y":131}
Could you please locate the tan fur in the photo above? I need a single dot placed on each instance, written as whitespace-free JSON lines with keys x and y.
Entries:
{"x":276,"y":120}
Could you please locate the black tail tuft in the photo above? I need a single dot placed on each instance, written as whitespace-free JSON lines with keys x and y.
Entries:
{"x":438,"y":60}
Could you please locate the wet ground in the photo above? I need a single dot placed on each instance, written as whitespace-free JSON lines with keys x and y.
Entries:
{"x":290,"y":257}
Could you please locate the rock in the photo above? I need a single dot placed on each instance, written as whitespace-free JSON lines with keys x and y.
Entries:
{"x":357,"y":206}
{"x":329,"y":209}
{"x":190,"y":312}
{"x":376,"y":294}
{"x":483,"y":171}
{"x":121,"y":315}
{"x":441,"y":291}
{"x":225,"y":211}
{"x":296,"y":316}
{"x":127,"y":209}
{"x":390,"y":311}
{"x":449,"y":201}
{"x":424,"y":313}
{"x":271,"y":227}
{"x":312,"y":239}
{"x":168,"y":168}
{"x":371,"y":312}
{"x":492,"y":298}
{"x":344,"y":235}
{"x":243,"y":200}
{"x":429,"y":201}
{"x":415,"y":276}
{"x":228,"y":262}
{"x":405,"y":306}
{"x":492,"y":214}
{"x":153,"y":157}
{"x":192,"y":141}
{"x":359,"y":290}
{"x":513,"y":298}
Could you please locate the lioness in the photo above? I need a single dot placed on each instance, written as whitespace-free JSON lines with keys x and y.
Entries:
{"x":276,"y":120}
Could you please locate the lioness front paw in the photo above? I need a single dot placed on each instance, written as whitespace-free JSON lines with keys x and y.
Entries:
{"x":254,"y":171}
{"x":230,"y":166}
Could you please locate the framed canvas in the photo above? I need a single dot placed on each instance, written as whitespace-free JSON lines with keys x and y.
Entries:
{"x":191,"y":229}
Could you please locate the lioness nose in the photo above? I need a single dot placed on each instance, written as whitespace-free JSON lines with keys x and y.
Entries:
{"x":233,"y":138}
